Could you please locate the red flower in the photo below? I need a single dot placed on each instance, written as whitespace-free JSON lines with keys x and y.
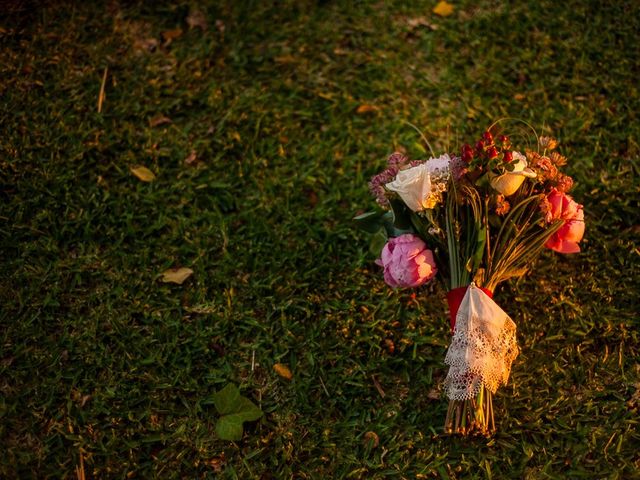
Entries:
{"x":562,"y":207}
{"x":467,"y":153}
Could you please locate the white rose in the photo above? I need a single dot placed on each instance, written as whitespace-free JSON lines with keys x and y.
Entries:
{"x":509,"y":182}
{"x":421,"y":187}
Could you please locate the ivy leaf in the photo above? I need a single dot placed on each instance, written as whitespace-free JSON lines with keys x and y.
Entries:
{"x":235,"y":410}
{"x":229,"y":428}
{"x":226,"y":399}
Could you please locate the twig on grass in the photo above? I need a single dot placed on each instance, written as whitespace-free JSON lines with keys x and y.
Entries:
{"x":102,"y":86}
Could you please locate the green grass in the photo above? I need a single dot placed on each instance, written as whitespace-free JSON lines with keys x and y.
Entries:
{"x":98,"y":356}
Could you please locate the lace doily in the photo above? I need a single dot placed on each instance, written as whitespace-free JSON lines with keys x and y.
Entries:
{"x":482,"y":349}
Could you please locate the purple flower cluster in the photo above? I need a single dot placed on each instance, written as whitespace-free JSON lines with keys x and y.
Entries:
{"x":458,"y":168}
{"x":396,"y":162}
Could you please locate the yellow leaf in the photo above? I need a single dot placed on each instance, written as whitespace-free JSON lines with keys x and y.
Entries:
{"x":176,"y":275}
{"x":143,"y":173}
{"x":366,"y":109}
{"x":444,"y":9}
{"x":283,"y":371}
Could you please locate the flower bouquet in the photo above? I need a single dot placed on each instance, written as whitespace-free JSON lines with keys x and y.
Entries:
{"x":474,"y":220}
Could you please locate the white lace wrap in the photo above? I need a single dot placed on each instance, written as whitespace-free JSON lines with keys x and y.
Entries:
{"x":482,"y":349}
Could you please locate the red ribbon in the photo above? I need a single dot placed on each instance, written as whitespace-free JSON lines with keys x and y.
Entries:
{"x":454,"y":299}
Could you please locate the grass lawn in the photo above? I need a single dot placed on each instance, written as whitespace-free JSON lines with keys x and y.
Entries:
{"x":262,"y":128}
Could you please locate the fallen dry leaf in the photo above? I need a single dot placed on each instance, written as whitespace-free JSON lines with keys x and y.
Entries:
{"x":159,"y":120}
{"x":519,"y":97}
{"x":378,"y":386}
{"x":143,"y":173}
{"x":389,"y":345}
{"x":197,"y":19}
{"x":283,"y":371}
{"x":416,"y":22}
{"x":364,"y":108}
{"x":145,"y":44}
{"x":192,"y":159}
{"x":443,"y":9}
{"x":170,"y":35}
{"x":433,"y":394}
{"x":372,"y":439}
{"x":284,"y":59}
{"x":176,"y":275}
{"x":220,"y":26}
{"x":217,"y":463}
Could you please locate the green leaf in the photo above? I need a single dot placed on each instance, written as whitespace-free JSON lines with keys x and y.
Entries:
{"x":401,"y":214}
{"x":377,"y":243}
{"x":481,"y":241}
{"x":235,"y":409}
{"x":247,"y":410}
{"x":226,"y":399}
{"x":229,"y":427}
{"x":370,"y":222}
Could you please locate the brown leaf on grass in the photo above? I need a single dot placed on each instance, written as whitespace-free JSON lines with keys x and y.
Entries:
{"x":519,"y":97}
{"x":416,"y":22}
{"x":312,"y":196}
{"x":364,"y":108}
{"x":197,"y":19}
{"x":143,"y":173}
{"x":192,"y":159}
{"x":176,"y":275}
{"x":372,"y":439}
{"x":145,"y":44}
{"x":389,"y":345}
{"x":216,"y":463}
{"x":284,"y":59}
{"x":433,"y":394}
{"x":159,"y":120}
{"x":283,"y":371}
{"x":170,"y":35}
{"x":220,"y":26}
{"x":443,"y":9}
{"x":378,"y":386}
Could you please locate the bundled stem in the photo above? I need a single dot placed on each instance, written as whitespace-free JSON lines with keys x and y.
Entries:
{"x":473,"y":416}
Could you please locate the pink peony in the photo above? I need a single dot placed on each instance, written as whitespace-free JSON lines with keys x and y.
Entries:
{"x":562,"y":207}
{"x":407,"y":262}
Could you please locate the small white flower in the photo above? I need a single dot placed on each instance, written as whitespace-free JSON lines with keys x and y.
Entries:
{"x":509,"y":182}
{"x":421,"y":187}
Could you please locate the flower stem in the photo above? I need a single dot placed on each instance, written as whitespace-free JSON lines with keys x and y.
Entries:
{"x":471,"y":417}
